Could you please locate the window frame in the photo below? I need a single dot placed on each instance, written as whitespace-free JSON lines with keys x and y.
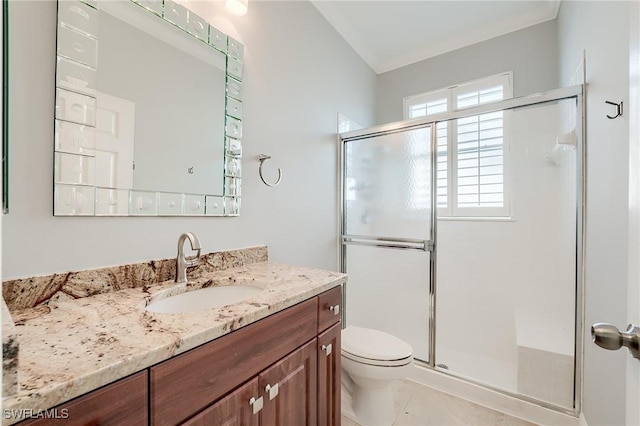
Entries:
{"x":450,"y":93}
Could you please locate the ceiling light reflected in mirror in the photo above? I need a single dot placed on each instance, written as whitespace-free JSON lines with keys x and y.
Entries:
{"x":237,"y":7}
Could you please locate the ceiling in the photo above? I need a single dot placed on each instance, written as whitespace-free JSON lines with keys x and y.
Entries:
{"x":390,"y":34}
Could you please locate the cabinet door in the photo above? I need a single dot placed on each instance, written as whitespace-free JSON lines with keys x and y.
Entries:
{"x":294,"y":403}
{"x":234,"y":409}
{"x":329,"y":376}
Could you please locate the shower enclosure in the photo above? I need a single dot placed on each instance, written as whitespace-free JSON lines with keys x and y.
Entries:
{"x":461,"y":234}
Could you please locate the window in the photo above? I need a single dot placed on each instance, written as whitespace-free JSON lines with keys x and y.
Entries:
{"x":472,"y":151}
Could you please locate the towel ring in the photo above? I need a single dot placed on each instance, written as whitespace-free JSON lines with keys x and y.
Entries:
{"x":263,"y":158}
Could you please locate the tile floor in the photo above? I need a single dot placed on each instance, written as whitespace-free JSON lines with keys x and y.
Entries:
{"x":418,"y":405}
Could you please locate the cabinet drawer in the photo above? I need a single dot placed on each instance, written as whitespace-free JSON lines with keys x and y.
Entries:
{"x":329,"y":308}
{"x":187,"y":383}
{"x":120,"y":403}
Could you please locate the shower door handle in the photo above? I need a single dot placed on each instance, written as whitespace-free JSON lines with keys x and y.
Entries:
{"x":388,"y":242}
{"x":607,"y":336}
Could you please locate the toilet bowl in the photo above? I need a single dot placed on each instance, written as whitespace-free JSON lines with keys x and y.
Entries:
{"x":371,"y":360}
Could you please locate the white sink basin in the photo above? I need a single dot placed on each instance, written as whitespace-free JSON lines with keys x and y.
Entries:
{"x":204,"y":298}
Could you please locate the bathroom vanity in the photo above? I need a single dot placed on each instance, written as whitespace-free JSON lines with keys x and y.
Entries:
{"x":289,"y":364}
{"x":273,"y":359}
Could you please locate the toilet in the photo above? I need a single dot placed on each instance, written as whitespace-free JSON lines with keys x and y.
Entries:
{"x":371,"y":360}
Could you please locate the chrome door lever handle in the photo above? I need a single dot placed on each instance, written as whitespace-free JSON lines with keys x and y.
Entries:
{"x":609,"y":337}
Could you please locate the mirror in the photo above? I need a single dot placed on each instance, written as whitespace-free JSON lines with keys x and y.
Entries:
{"x":148,"y":112}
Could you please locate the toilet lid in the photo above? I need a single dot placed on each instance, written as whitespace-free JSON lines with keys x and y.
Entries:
{"x":374,"y":344}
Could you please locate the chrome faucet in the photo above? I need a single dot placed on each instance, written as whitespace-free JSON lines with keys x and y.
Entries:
{"x":182,"y":261}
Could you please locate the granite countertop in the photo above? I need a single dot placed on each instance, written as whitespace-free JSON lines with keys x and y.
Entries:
{"x":9,"y":353}
{"x":74,"y":347}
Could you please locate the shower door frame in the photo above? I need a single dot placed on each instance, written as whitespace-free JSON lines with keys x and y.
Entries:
{"x":573,"y":92}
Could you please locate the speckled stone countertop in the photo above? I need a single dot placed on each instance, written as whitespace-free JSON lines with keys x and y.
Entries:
{"x":76,"y":346}
{"x":9,"y":353}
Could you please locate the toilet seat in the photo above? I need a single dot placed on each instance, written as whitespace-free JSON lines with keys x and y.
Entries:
{"x":377,"y":362}
{"x":375,"y":347}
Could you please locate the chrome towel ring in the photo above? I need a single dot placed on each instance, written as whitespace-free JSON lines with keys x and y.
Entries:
{"x":263,"y":158}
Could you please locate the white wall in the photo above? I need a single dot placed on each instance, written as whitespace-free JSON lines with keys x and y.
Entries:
{"x":530,"y":53}
{"x":299,"y":74}
{"x":601,"y":28}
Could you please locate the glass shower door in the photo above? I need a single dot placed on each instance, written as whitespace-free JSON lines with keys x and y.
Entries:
{"x":509,"y":280}
{"x":387,"y":233}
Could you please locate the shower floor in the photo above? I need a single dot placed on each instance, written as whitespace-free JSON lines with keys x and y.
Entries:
{"x":501,"y":374}
{"x":418,"y":405}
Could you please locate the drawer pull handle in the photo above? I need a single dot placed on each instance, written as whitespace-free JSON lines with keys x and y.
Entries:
{"x":256,"y":404}
{"x":335,"y":309}
{"x":327,"y":349}
{"x":272,"y":391}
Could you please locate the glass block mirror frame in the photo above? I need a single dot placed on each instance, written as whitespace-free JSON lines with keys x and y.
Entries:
{"x":75,"y":190}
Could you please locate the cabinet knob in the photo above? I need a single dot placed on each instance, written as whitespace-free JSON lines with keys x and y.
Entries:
{"x":272,"y":391}
{"x":256,"y":404}
{"x":335,"y":309}
{"x":327,"y":349}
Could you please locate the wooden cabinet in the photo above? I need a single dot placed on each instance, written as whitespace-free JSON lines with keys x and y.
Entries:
{"x":329,"y":376}
{"x":120,"y":403}
{"x":188,"y":383}
{"x":293,"y":357}
{"x":285,"y":370}
{"x":285,"y":392}
{"x":329,"y":348}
